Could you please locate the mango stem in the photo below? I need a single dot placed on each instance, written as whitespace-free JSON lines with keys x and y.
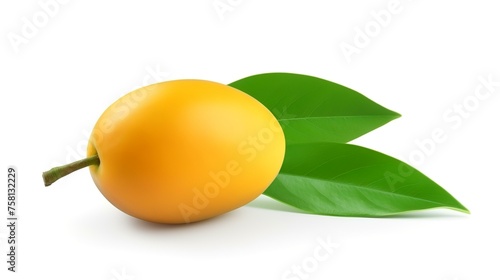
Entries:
{"x":58,"y":172}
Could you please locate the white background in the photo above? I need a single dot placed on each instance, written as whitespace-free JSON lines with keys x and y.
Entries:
{"x":57,"y":79}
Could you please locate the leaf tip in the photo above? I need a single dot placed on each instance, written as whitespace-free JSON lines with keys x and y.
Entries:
{"x":460,"y":208}
{"x":465,"y":211}
{"x":396,"y":115}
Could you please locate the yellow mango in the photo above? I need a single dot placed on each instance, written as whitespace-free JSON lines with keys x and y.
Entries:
{"x":185,"y":150}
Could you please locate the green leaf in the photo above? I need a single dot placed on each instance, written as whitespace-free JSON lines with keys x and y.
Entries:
{"x":347,"y":180}
{"x":311,"y":109}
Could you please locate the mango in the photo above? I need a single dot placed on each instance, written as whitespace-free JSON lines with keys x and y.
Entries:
{"x":183,"y":151}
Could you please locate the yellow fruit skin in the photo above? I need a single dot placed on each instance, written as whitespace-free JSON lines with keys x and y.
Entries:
{"x":185,"y":150}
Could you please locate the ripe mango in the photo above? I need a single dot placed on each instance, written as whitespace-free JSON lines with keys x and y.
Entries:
{"x":185,"y":150}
